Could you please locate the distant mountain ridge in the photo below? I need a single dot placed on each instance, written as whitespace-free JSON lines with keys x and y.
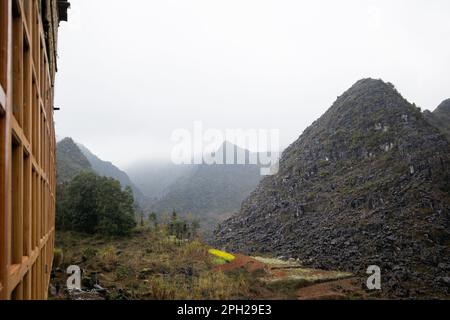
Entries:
{"x":440,"y":117}
{"x":212,"y":192}
{"x":73,"y":158}
{"x":368,"y":183}
{"x":70,"y":161}
{"x":154,"y":179}
{"x":107,"y":169}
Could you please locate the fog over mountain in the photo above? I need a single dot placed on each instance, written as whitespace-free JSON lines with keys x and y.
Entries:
{"x":254,"y":64}
{"x":208,"y":192}
{"x":212,"y":192}
{"x":154,"y":177}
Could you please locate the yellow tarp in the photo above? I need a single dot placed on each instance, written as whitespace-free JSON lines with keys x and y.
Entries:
{"x":223,"y":255}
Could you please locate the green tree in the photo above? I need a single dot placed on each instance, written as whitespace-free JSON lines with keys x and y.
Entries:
{"x":173,"y":224}
{"x":174,"y":217}
{"x":81,"y":202}
{"x":153,"y":220}
{"x":193,"y":225}
{"x":93,"y":204}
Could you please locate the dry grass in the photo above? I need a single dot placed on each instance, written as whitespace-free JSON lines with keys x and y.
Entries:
{"x":151,"y":265}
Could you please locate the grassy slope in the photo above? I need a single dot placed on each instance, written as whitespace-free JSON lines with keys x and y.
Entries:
{"x":150,"y":265}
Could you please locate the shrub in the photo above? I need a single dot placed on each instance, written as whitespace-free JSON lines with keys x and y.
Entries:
{"x":95,"y":205}
{"x":124,"y":272}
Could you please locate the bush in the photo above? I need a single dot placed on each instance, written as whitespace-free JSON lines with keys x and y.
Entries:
{"x":95,"y":205}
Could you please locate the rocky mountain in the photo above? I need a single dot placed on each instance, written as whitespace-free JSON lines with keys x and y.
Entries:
{"x":211,"y":191}
{"x":366,"y":184}
{"x":440,"y":117}
{"x":107,"y":169}
{"x":70,"y":160}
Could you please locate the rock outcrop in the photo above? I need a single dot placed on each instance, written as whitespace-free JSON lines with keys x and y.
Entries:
{"x":366,"y":184}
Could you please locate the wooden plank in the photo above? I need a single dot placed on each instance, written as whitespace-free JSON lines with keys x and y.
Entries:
{"x":5,"y":155}
{"x":33,"y":208}
{"x":38,"y":211}
{"x":17,"y":68}
{"x":34,"y":126}
{"x":27,"y":92}
{"x":17,"y":293}
{"x":2,"y":100}
{"x":18,"y":133}
{"x":27,"y":286}
{"x":24,"y":19}
{"x":38,"y":283}
{"x":17,"y":203}
{"x":34,"y":280}
{"x":3,"y":46}
{"x":27,"y":205}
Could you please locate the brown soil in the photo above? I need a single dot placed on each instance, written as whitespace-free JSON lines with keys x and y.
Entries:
{"x":349,"y":288}
{"x":242,"y":262}
{"x":333,"y":290}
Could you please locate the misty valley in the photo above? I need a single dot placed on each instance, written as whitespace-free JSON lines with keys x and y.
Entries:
{"x":367,"y":184}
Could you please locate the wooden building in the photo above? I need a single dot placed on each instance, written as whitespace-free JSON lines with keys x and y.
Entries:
{"x":28,"y":41}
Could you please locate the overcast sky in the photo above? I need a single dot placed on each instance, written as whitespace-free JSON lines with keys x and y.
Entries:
{"x":131,"y":72}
